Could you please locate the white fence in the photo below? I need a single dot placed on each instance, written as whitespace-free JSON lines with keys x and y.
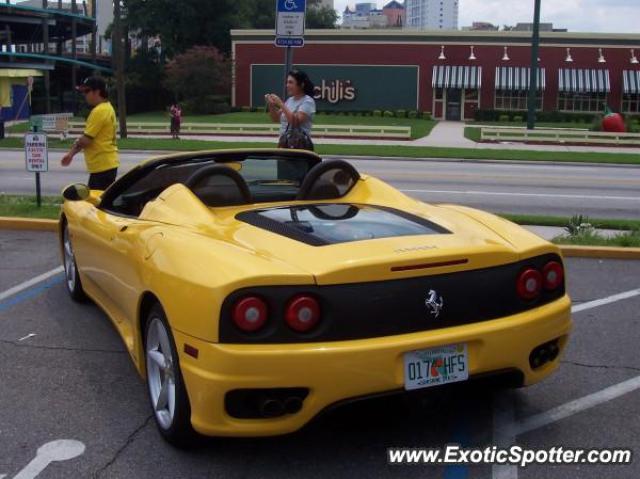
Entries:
{"x":259,"y":129}
{"x":559,"y":136}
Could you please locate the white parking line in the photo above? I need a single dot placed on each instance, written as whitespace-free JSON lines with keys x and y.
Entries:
{"x":609,"y":299}
{"x":504,"y":416}
{"x":506,"y":428}
{"x":530,"y":195}
{"x":27,"y":284}
{"x":569,"y":409}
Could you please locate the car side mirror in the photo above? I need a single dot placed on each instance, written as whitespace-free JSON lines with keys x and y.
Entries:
{"x":76,"y":192}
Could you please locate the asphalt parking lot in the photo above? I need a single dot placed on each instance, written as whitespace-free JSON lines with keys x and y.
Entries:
{"x":64,"y":375}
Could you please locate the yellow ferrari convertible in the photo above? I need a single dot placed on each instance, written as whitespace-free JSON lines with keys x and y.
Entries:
{"x":255,"y":288}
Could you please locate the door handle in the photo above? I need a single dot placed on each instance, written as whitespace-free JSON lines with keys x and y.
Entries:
{"x":123,"y":228}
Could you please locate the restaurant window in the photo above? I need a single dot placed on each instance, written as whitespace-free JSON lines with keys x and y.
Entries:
{"x":515,"y":100}
{"x":589,"y":102}
{"x":631,"y":103}
{"x":471,"y":95}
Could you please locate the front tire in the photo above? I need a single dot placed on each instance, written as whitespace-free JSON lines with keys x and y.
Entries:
{"x":72,"y":278}
{"x":167,"y":393}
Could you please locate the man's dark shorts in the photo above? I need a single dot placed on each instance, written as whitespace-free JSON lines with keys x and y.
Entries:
{"x":102,"y":180}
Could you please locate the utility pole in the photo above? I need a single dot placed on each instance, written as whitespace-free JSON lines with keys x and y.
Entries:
{"x":94,"y":30}
{"x":118,"y":59}
{"x":45,"y":43}
{"x":74,"y":54}
{"x":533,"y":78}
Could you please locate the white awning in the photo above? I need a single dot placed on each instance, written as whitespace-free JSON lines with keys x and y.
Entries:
{"x":517,"y":78}
{"x":631,"y":82}
{"x":583,"y":81}
{"x":445,"y":76}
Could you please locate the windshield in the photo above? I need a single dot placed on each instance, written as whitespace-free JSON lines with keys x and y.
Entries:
{"x":325,"y":224}
{"x":269,"y":178}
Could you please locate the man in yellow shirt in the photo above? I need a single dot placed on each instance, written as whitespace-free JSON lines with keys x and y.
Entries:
{"x":99,"y":138}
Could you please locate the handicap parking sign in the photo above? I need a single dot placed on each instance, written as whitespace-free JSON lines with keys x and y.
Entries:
{"x":294,"y":6}
{"x":290,"y":18}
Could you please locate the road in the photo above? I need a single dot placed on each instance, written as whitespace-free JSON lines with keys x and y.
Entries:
{"x":66,"y":376}
{"x":553,"y":189}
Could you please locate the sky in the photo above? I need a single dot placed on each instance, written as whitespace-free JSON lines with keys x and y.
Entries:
{"x":611,"y":16}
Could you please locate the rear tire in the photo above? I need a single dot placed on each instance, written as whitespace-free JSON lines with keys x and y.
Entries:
{"x":167,"y":393}
{"x":72,"y":277}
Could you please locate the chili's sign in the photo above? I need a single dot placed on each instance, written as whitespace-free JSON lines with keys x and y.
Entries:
{"x":339,"y":87}
{"x":335,"y":91}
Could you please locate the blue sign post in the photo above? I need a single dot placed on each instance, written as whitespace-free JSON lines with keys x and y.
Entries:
{"x":290,"y":16}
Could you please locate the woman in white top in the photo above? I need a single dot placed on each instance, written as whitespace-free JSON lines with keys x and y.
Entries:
{"x":296,"y":114}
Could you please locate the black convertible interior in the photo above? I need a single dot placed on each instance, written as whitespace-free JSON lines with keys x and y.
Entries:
{"x":234,"y":178}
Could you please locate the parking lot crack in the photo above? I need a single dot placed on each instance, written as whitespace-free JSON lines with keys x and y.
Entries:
{"x":600,"y":366}
{"x":60,"y":348}
{"x":130,"y":438}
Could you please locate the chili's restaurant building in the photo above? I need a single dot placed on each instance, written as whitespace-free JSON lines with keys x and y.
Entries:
{"x":451,"y":74}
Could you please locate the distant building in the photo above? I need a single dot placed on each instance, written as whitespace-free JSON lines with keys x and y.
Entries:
{"x":481,"y":27}
{"x":451,"y":74}
{"x":544,"y":27}
{"x":395,"y":13}
{"x":432,"y":14}
{"x":365,"y":8}
{"x":366,"y":15}
{"x":104,"y":18}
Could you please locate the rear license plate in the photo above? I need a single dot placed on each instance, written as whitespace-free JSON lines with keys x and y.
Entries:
{"x":431,"y":367}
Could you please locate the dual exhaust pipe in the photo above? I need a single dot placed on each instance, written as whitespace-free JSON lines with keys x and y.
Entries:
{"x":273,"y":407}
{"x":543,"y":354}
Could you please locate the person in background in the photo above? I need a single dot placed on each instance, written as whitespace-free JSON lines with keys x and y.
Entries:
{"x":99,"y":138}
{"x":176,"y":120}
{"x":296,"y":113}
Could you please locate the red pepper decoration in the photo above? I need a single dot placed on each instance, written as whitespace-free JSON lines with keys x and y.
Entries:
{"x":613,"y":122}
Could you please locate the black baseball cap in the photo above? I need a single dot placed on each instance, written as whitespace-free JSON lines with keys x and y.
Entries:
{"x":92,"y":83}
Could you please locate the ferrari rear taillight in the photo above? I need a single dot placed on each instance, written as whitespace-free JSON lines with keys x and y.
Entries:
{"x":302,"y":313}
{"x":552,"y":275}
{"x":250,"y":313}
{"x":529,"y":284}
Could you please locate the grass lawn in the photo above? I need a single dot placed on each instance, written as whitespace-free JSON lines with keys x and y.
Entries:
{"x":472,"y":133}
{"x":562,"y":221}
{"x":629,"y":239}
{"x":25,"y":206}
{"x":419,"y":127}
{"x":399,"y":151}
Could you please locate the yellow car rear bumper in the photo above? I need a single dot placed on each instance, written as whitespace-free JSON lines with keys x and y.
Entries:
{"x":336,"y":371}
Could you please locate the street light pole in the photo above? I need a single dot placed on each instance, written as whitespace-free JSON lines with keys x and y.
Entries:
{"x":533,"y":78}
{"x":118,"y":55}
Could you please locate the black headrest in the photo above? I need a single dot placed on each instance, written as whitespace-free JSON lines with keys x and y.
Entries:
{"x":219,"y":193}
{"x":327,"y":180}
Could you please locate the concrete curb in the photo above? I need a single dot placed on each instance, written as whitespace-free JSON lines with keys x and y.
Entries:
{"x":32,"y":224}
{"x":607,"y":252}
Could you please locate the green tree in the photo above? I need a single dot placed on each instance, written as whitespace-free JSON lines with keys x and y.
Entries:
{"x":201,"y":76}
{"x":185,"y":23}
{"x":320,"y":17}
